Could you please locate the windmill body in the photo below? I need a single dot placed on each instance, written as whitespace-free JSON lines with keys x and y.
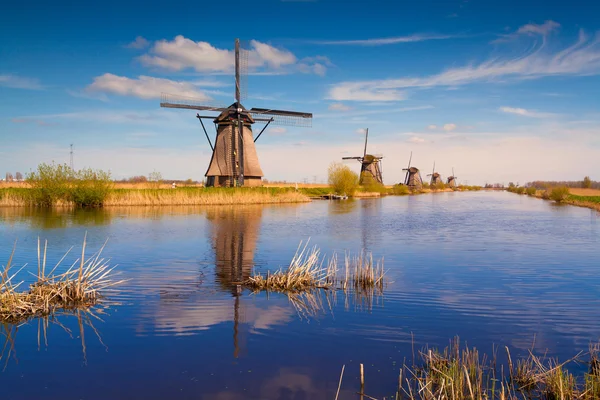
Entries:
{"x":436,"y":178}
{"x":451,"y":182}
{"x":413,"y":176}
{"x":370,"y":169}
{"x":234,"y":161}
{"x":225,"y":160}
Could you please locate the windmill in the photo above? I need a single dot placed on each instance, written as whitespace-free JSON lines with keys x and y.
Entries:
{"x":435,"y":177}
{"x":413,"y":177}
{"x":370,"y":164}
{"x":234,"y":160}
{"x":451,"y":182}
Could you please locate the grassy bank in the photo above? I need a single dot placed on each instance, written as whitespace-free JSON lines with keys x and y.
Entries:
{"x":23,"y":197}
{"x":588,"y":198}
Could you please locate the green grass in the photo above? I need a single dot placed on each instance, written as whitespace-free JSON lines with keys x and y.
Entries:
{"x":591,"y":199}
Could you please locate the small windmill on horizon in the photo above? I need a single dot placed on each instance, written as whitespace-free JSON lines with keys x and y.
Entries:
{"x":436,"y":178}
{"x":451,"y":182}
{"x":413,"y":176}
{"x":234,"y":160}
{"x":370,"y":164}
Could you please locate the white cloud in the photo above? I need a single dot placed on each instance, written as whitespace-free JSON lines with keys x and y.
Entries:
{"x":266,"y":54}
{"x":182,"y":53}
{"x":339,"y":107}
{"x":138,"y":43}
{"x":449,"y":127}
{"x":581,"y":58}
{"x":385,"y":41}
{"x":432,"y":127}
{"x":543,"y":29}
{"x":360,"y":131}
{"x":416,"y":140}
{"x":19,"y":82}
{"x":364,"y":91}
{"x":144,"y":87}
{"x":526,"y":113}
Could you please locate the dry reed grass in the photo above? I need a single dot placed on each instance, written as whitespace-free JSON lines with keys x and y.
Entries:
{"x":308,"y":271}
{"x":77,"y":288}
{"x":187,"y":198}
{"x":464,"y":374}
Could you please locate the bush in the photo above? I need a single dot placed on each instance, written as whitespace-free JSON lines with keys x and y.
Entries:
{"x":369,"y":184}
{"x":531,"y":191}
{"x":439,"y":186}
{"x":90,"y":188}
{"x":400,"y":190}
{"x":342,"y":179}
{"x":53,"y":183}
{"x":559,"y":194}
{"x":50,"y":183}
{"x":520,"y":190}
{"x":587,"y":183}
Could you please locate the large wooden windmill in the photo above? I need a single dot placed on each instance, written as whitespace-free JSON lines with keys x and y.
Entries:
{"x":413,"y":176}
{"x":435,"y":177}
{"x":234,"y":160}
{"x":370,"y":164}
{"x":451,"y":182}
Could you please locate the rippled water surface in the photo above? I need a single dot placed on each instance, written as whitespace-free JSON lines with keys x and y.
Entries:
{"x":492,"y":268}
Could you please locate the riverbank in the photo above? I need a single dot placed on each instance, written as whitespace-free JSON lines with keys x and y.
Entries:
{"x":587,"y":198}
{"x":193,"y":196}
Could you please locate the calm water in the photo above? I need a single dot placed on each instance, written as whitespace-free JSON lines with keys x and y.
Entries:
{"x":493,"y":268}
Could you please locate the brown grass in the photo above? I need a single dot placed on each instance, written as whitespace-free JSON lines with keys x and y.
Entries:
{"x":187,"y":198}
{"x":308,"y":271}
{"x":77,"y":288}
{"x":584,"y":192}
{"x":463,"y":373}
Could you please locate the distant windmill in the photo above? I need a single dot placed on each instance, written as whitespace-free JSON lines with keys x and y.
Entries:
{"x":234,"y":161}
{"x":413,"y":176}
{"x":370,"y":164}
{"x":451,"y":182}
{"x":435,"y":177}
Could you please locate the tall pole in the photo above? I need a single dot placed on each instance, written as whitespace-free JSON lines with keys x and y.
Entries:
{"x":366,"y":138}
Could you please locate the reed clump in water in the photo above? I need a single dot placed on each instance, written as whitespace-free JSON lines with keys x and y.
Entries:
{"x":308,"y":271}
{"x":77,"y":288}
{"x":464,"y":374}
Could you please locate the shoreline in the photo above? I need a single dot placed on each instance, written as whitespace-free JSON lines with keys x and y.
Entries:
{"x":571,"y":200}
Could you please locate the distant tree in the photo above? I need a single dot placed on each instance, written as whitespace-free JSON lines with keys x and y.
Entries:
{"x":155,"y":179}
{"x":138,"y":179}
{"x":511,"y":185}
{"x":9,"y":177}
{"x":19,"y":176}
{"x":587,"y":183}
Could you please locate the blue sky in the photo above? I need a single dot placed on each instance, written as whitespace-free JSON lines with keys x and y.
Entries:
{"x":501,"y":91}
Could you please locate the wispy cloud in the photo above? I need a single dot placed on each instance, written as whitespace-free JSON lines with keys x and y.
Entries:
{"x":449,"y":127}
{"x":138,"y":43}
{"x":416,"y":140}
{"x":19,"y":82}
{"x":581,"y":58}
{"x":526,"y":113}
{"x":339,"y":107}
{"x":144,"y":87}
{"x":386,"y":41}
{"x":529,"y":30}
{"x":363,"y":113}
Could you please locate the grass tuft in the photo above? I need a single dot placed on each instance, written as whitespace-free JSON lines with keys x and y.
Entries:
{"x":77,"y":288}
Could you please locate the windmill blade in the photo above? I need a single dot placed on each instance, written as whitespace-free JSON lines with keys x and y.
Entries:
{"x":410,"y":159}
{"x":244,"y":51}
{"x":366,"y":139}
{"x":352,"y":158}
{"x":282,"y":117}
{"x":188,"y":103}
